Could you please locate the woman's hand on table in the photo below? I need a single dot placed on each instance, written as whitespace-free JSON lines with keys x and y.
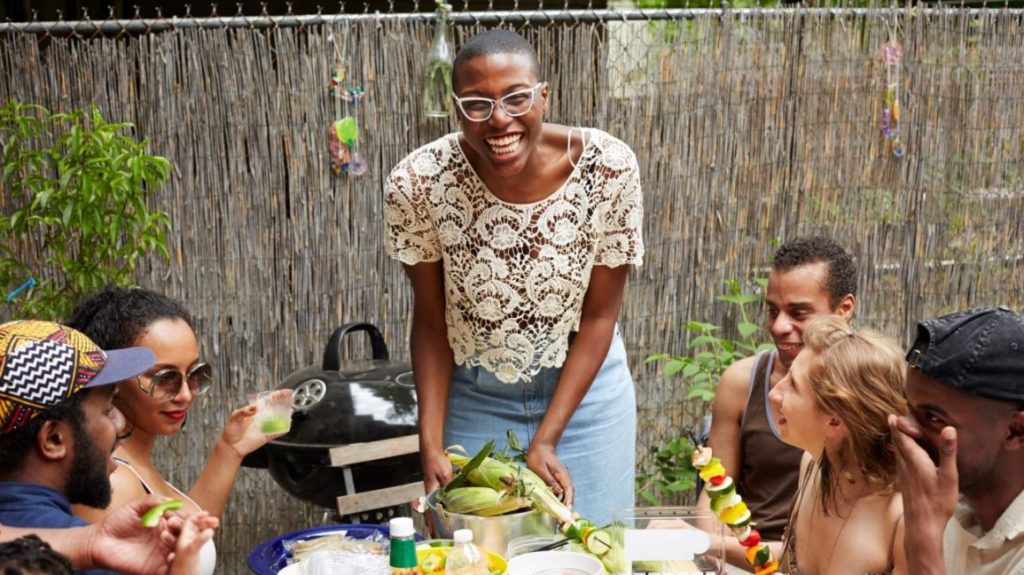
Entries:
{"x":542,"y":460}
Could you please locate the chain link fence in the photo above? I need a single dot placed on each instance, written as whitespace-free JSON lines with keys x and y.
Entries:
{"x":751,"y":126}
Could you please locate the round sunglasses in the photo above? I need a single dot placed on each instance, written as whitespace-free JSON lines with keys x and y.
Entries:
{"x":165,"y":384}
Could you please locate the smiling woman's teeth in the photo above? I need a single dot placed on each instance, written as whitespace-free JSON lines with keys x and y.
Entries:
{"x":505,"y":145}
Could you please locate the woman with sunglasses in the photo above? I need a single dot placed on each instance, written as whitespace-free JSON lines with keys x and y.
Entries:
{"x":156,"y":403}
{"x":517,"y":236}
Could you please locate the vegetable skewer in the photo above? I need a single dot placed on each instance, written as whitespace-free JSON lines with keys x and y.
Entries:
{"x":730,"y":509}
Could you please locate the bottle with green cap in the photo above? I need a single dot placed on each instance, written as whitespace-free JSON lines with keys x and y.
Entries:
{"x":403,"y":546}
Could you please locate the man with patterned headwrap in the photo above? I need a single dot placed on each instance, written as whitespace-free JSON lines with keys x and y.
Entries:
{"x":58,"y":426}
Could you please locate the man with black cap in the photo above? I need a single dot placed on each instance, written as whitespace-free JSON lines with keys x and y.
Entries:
{"x":58,"y":428}
{"x":964,"y":434}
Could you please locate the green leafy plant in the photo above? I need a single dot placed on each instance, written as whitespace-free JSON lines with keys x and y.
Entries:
{"x":708,"y":353}
{"x":73,"y":213}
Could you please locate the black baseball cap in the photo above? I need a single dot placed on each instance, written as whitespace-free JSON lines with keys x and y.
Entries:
{"x":978,"y":351}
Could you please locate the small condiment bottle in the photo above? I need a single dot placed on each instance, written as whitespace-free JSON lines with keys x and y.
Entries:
{"x":403,"y":546}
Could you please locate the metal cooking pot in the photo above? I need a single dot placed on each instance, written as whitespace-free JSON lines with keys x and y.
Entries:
{"x":340,"y":403}
{"x":491,"y":533}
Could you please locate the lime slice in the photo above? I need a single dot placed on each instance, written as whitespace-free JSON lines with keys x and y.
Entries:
{"x":273,"y":425}
{"x":598,"y":542}
{"x":152,"y":517}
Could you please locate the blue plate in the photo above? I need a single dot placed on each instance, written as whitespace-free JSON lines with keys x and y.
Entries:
{"x":270,"y":556}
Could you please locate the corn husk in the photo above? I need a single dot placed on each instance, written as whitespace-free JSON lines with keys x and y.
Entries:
{"x":501,"y":476}
{"x":483,"y":501}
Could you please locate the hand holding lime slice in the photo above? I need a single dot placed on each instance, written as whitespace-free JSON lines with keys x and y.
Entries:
{"x":152,"y":517}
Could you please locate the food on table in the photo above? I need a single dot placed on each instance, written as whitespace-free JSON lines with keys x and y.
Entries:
{"x":731,"y":510}
{"x":432,"y":561}
{"x":337,"y":543}
{"x":483,"y":501}
{"x":511,"y":480}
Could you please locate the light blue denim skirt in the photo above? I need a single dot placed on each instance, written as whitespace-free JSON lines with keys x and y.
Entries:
{"x":598,"y":446}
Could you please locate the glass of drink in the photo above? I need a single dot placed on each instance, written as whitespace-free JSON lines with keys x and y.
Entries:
{"x":273,"y":410}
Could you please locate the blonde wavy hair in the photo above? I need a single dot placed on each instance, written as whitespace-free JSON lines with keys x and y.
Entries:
{"x":858,"y":376}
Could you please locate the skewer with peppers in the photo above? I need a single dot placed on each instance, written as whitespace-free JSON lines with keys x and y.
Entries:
{"x":730,"y":509}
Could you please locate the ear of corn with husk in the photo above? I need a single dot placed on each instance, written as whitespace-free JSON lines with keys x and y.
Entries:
{"x":483,"y":501}
{"x":519,"y":481}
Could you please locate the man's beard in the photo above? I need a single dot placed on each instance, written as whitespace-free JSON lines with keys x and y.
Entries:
{"x":89,"y":479}
{"x":976,"y":481}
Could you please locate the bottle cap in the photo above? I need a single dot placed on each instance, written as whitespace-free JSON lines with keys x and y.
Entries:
{"x":401,"y":527}
{"x":463,"y":536}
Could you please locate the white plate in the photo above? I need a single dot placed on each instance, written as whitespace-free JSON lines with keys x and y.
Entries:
{"x":293,"y":569}
{"x":541,"y":561}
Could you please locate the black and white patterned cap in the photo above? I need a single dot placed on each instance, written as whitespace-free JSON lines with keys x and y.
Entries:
{"x":44,"y":363}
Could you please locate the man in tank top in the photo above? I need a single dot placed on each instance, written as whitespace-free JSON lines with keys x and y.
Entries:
{"x":810,"y":277}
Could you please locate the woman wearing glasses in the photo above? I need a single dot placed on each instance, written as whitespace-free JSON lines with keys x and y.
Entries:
{"x":157,"y":403}
{"x":517,"y":236}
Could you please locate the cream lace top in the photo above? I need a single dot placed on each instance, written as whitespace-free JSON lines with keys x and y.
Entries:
{"x":515,"y":274}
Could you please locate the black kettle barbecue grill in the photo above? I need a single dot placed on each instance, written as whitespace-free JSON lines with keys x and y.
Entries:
{"x":341,"y":403}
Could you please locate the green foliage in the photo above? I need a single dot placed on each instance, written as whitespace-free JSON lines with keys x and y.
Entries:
{"x":709,"y":353}
{"x":74,"y":191}
{"x":670,"y":471}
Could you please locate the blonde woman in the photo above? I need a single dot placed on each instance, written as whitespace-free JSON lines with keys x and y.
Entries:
{"x":847,"y":516}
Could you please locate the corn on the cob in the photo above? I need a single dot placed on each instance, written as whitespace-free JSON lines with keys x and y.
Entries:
{"x":482,"y":501}
{"x":502,"y":476}
{"x":499,"y":476}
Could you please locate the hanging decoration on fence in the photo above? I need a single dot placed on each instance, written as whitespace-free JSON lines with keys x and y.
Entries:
{"x":26,"y":286}
{"x":343,"y":135}
{"x":437,"y":83}
{"x":892,"y":53}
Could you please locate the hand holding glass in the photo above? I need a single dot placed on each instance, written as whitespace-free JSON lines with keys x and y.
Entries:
{"x":273,"y":410}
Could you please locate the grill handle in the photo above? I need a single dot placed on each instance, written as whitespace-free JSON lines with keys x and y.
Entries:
{"x":332,"y":353}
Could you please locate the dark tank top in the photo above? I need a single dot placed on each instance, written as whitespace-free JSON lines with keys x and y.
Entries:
{"x":770,"y":469}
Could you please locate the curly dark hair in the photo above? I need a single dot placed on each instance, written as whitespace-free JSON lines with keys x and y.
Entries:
{"x":16,"y":445}
{"x":842,"y":273}
{"x":30,"y":554}
{"x":115,"y":317}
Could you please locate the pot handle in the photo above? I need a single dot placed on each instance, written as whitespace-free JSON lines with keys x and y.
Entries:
{"x":332,"y":353}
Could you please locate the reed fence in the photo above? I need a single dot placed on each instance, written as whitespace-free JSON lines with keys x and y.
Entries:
{"x":751,"y":126}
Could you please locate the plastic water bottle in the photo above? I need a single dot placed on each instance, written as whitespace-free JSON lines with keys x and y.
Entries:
{"x":465,"y":558}
{"x":402,"y":557}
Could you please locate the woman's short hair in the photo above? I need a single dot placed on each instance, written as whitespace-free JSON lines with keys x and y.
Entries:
{"x":116,"y":317}
{"x":859,"y":377}
{"x":492,"y":42}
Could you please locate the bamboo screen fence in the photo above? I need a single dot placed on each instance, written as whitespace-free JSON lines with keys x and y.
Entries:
{"x":751,"y":127}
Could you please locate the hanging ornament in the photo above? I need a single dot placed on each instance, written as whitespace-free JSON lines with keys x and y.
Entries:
{"x":891,"y":55}
{"x":337,"y":77}
{"x":343,"y":135}
{"x":437,"y":83}
{"x":344,"y":139}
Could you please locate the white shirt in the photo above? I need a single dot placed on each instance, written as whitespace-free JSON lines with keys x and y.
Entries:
{"x":968,"y":550}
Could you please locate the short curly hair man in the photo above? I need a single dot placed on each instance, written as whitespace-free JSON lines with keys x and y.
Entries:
{"x":842,"y":273}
